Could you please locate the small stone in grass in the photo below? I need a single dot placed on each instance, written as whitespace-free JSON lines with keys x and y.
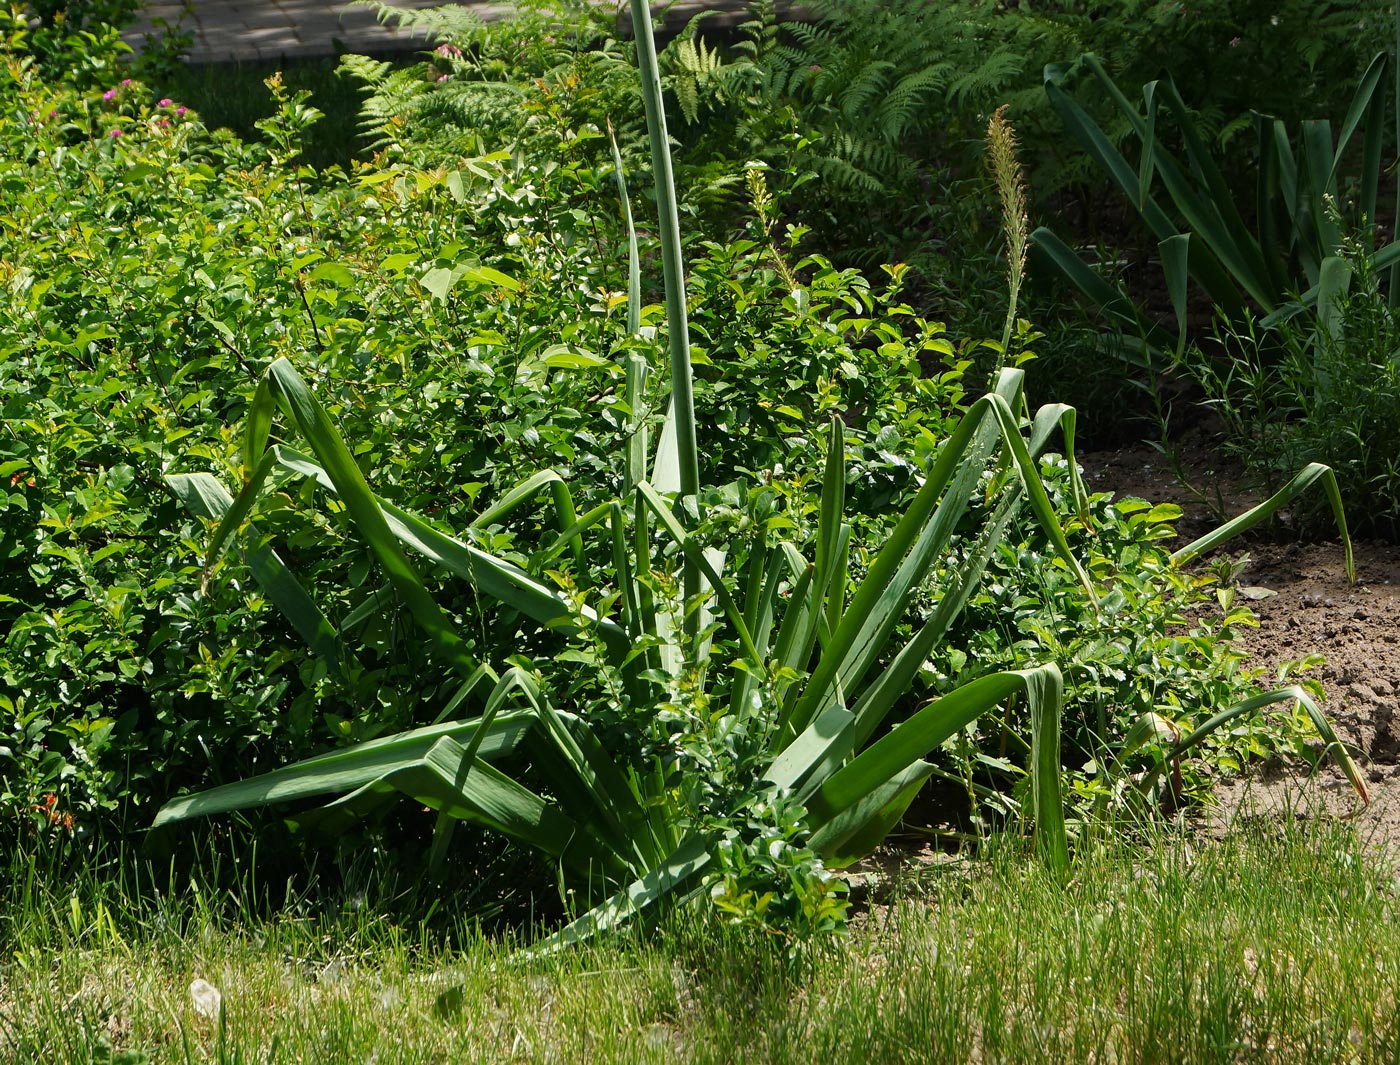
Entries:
{"x":206,"y":998}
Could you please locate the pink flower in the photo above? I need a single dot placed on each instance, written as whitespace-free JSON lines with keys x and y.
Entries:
{"x":448,"y":51}
{"x":166,"y":102}
{"x":181,"y":110}
{"x":164,"y":123}
{"x":109,"y":95}
{"x":443,"y":77}
{"x":114,"y":133}
{"x":126,"y":82}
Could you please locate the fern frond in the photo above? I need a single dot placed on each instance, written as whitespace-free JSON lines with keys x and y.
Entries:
{"x":984,"y":82}
{"x":449,"y":23}
{"x":909,"y":100}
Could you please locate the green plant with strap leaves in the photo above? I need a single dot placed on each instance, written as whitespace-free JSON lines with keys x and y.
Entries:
{"x":1276,"y":257}
{"x":760,"y":685}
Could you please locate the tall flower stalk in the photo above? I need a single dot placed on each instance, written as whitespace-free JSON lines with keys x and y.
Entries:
{"x":1011,"y":191}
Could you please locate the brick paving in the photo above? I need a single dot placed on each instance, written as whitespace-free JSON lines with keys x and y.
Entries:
{"x":273,"y":30}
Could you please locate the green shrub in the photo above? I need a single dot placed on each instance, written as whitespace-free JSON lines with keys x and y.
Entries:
{"x":166,"y":269}
{"x":475,"y":331}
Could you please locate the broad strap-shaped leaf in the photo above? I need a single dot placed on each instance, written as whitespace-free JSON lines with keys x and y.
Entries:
{"x":1273,"y":245}
{"x":1094,"y":141}
{"x":345,"y":770}
{"x":680,"y":419}
{"x":892,"y":754}
{"x":1176,"y":265}
{"x":635,"y":466}
{"x":516,"y":497}
{"x":833,"y":534}
{"x":1319,"y":235}
{"x":1211,"y":211}
{"x":570,"y":535}
{"x":315,"y":425}
{"x":447,"y":780}
{"x":910,"y":549}
{"x":677,"y":875}
{"x":1147,"y":167}
{"x":885,"y":692}
{"x":1333,"y":282}
{"x":792,"y":646}
{"x":767,"y":569}
{"x":1113,"y":302}
{"x":204,"y":497}
{"x":697,"y":555}
{"x":1221,"y":284}
{"x":861,"y":827}
{"x":1387,"y":257}
{"x":259,"y":426}
{"x":501,"y":580}
{"x":634,"y":260}
{"x":242,"y":506}
{"x":1368,"y":107}
{"x":585,"y":774}
{"x":827,"y":739}
{"x":903,"y":563}
{"x":1292,"y":693}
{"x":1312,"y":473}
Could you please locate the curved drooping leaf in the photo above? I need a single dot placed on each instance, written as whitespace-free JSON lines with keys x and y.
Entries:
{"x":345,"y":770}
{"x":1333,"y":747}
{"x":888,"y":758}
{"x":1311,"y":474}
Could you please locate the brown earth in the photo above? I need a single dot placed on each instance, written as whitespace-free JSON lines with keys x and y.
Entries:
{"x":1315,"y":609}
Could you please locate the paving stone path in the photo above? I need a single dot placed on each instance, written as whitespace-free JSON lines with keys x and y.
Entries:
{"x":273,"y":30}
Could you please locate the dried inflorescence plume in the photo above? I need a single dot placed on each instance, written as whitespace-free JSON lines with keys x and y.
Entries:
{"x":1011,"y":190}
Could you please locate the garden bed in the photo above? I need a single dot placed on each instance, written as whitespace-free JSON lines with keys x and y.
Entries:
{"x":1313,"y":610}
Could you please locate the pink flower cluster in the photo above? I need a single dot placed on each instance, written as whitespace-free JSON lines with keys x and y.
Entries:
{"x":112,"y":94}
{"x":165,"y":103}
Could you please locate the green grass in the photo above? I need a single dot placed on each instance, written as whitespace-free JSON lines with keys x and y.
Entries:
{"x":1268,"y":947}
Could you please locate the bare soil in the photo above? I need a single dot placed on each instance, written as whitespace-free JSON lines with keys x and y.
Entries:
{"x":1315,"y":609}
